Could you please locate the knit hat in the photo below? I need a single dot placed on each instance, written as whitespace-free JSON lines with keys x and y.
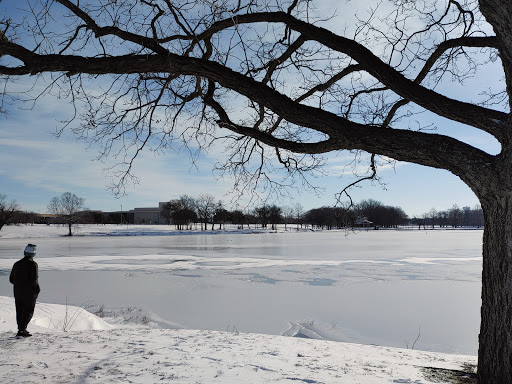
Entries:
{"x":30,"y":250}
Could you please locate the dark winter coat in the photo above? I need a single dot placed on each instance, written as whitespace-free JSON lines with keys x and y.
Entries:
{"x":24,"y":276}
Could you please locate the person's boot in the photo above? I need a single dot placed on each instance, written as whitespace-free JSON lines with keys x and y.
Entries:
{"x":26,"y":333}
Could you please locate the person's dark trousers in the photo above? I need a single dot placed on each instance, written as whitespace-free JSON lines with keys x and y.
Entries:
{"x":24,"y":310}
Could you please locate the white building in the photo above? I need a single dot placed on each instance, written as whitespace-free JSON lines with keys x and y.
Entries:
{"x":151,"y":215}
{"x":147,"y":216}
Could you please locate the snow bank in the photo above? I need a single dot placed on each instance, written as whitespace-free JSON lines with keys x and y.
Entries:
{"x":51,"y":317}
{"x":144,"y":355}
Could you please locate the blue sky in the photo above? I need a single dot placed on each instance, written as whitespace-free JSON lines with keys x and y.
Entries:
{"x":35,"y":166}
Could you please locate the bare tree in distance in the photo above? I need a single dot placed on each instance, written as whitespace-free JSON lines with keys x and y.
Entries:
{"x":220,"y":216}
{"x":180,"y":212}
{"x":274,"y":215}
{"x":68,"y":206}
{"x":281,"y":85}
{"x":287,"y":215}
{"x":432,"y":216}
{"x":8,"y":210}
{"x":298,"y":212}
{"x":206,"y":206}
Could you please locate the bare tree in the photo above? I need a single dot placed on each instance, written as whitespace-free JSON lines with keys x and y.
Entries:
{"x":432,"y":215}
{"x":180,"y":212}
{"x":8,"y":210}
{"x":262,"y":215}
{"x":275,"y":83}
{"x":206,"y":206}
{"x":274,"y":216}
{"x":455,"y":216}
{"x":220,"y":216}
{"x":68,"y":206}
{"x":299,"y":212}
{"x":240,"y":218}
{"x":287,"y":215}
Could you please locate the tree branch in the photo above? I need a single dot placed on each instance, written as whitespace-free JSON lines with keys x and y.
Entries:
{"x":418,"y":147}
{"x":344,"y":134}
{"x":112,"y":30}
{"x":488,"y":120}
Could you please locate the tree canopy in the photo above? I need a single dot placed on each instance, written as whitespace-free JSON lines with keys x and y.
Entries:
{"x":285,"y":87}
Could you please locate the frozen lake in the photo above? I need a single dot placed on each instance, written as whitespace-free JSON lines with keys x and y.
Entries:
{"x":374,"y":287}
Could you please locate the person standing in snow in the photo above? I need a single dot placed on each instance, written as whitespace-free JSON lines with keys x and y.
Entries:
{"x":24,"y":277}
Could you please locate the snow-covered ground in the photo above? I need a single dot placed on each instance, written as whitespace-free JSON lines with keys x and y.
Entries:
{"x":71,"y":345}
{"x":360,"y":278}
{"x":52,"y":231}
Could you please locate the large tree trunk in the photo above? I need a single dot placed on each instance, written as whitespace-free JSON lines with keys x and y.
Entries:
{"x":495,"y":340}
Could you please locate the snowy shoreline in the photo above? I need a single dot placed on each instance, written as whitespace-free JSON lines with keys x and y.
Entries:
{"x":117,"y":230}
{"x":97,"y":352}
{"x":35,"y":231}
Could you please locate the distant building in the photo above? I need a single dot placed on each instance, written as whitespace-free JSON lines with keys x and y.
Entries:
{"x":147,"y":215}
{"x":151,"y":215}
{"x":363,"y":222}
{"x":48,"y":218}
{"x":144,"y":215}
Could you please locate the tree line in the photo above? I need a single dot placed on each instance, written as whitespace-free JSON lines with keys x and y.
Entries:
{"x":454,"y":217}
{"x":206,"y":212}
